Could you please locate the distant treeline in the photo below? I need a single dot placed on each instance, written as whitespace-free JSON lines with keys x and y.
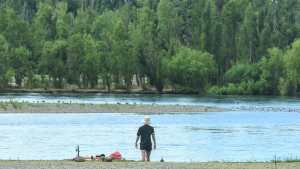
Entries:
{"x":205,"y":46}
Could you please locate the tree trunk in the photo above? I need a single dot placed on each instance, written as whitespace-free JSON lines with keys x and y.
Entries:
{"x":107,"y":82}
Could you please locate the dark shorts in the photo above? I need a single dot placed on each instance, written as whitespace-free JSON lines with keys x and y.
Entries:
{"x":146,"y":147}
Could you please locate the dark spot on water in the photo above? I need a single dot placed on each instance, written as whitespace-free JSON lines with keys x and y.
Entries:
{"x":212,"y":130}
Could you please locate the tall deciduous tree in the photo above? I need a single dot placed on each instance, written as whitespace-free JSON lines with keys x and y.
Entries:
{"x":4,"y":64}
{"x":103,"y":31}
{"x":249,"y":37}
{"x":53,"y":61}
{"x":146,"y":43}
{"x":20,"y":62}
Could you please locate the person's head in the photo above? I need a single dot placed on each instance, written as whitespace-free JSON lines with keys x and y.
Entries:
{"x":146,"y":120}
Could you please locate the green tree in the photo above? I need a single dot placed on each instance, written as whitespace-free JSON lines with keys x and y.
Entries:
{"x":90,"y":65}
{"x":13,"y":28}
{"x":242,"y":72}
{"x":63,"y":21}
{"x":83,"y":61}
{"x":122,"y":50}
{"x":44,"y":24}
{"x":83,"y":21}
{"x":168,"y":23}
{"x":103,"y":31}
{"x":272,"y":68}
{"x":53,"y":61}
{"x":232,"y":14}
{"x":283,"y":14}
{"x":43,"y":28}
{"x":250,"y":35}
{"x":5,"y":71}
{"x":149,"y":55}
{"x":292,"y":64}
{"x":75,"y":58}
{"x":206,"y":36}
{"x":191,"y":68}
{"x":19,"y":61}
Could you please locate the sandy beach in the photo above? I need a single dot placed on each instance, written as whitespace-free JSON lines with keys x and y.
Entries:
{"x":16,"y":107}
{"x":140,"y":165}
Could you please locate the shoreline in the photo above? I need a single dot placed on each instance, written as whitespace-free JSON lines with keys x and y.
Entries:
{"x":21,"y":107}
{"x":95,"y":91}
{"x":53,"y":91}
{"x":139,"y":165}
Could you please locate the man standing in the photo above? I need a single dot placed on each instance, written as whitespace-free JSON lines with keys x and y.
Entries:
{"x":144,"y":133}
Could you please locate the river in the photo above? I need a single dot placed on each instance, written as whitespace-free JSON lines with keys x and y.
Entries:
{"x":254,"y":129}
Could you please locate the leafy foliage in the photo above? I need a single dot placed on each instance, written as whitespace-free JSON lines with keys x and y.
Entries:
{"x":191,"y":68}
{"x":219,"y":46}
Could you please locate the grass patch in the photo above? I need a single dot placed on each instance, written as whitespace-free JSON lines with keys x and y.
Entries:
{"x":3,"y":105}
{"x":15,"y":105}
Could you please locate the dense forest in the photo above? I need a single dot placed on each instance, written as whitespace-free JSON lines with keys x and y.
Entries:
{"x":202,"y":46}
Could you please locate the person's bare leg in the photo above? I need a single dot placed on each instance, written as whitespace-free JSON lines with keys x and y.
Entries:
{"x":143,"y":155}
{"x":148,"y":153}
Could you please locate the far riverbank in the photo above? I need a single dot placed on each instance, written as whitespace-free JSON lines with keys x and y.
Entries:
{"x":24,"y":107}
{"x":104,"y":91}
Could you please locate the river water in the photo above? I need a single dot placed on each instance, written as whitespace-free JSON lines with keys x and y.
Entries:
{"x":254,"y":129}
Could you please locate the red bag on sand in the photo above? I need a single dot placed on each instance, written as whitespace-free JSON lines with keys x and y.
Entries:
{"x":116,"y":155}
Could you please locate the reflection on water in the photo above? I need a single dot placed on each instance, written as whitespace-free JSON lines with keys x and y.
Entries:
{"x":229,"y":136}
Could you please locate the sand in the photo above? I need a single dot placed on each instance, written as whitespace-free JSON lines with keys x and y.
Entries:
{"x":15,"y":107}
{"x":140,"y":165}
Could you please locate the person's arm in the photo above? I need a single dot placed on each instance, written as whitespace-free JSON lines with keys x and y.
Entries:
{"x":138,"y":135}
{"x":136,"y":142}
{"x":154,"y":141}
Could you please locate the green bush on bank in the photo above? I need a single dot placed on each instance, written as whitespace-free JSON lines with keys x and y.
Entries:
{"x":191,"y":69}
{"x":276,"y":73}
